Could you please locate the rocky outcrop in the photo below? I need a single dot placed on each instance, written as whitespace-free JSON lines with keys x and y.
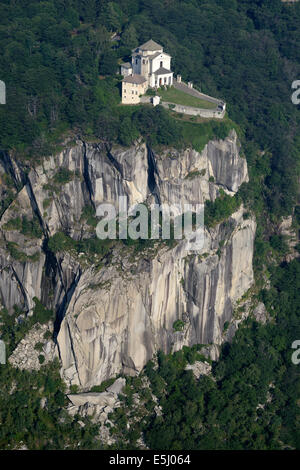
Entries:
{"x":21,"y":258}
{"x":98,"y":407}
{"x":260,"y":313}
{"x":199,"y":368}
{"x":101,"y":399}
{"x":291,"y":237}
{"x":112,"y":318}
{"x":34,"y":349}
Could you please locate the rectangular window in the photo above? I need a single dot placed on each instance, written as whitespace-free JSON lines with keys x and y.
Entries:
{"x":161,"y":63}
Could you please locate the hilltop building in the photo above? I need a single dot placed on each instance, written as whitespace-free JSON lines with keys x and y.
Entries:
{"x":150,"y":67}
{"x":132,"y":87}
{"x":150,"y":63}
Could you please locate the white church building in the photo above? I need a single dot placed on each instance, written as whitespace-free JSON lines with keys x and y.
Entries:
{"x":150,"y":62}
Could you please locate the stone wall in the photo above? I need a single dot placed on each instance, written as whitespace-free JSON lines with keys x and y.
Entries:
{"x":191,"y":111}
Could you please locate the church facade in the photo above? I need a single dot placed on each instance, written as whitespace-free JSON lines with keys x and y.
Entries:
{"x":150,"y":62}
{"x":153,"y":63}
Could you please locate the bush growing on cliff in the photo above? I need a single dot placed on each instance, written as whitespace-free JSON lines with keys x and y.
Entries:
{"x":61,"y":242}
{"x":40,"y":313}
{"x":221,"y":208}
{"x":13,"y":327}
{"x":63,"y":176}
{"x":31,"y":227}
{"x":178,"y":325}
{"x":88,"y":215}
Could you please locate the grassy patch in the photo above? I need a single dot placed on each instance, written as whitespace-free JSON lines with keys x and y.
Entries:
{"x":198,"y":135}
{"x":179,"y":97}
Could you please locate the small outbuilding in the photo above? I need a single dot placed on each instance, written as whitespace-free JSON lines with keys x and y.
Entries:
{"x":126,"y":69}
{"x":155,"y":100}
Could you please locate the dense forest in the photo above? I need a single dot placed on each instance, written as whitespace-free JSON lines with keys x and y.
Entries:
{"x":59,"y":61}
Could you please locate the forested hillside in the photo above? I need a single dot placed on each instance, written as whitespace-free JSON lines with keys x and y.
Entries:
{"x":246,"y":52}
{"x":59,"y":60}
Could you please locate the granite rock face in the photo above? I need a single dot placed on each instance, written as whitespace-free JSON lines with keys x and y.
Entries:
{"x":113,"y":319}
{"x":130,"y":315}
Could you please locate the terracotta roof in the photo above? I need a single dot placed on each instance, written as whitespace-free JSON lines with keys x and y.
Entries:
{"x":138,"y":79}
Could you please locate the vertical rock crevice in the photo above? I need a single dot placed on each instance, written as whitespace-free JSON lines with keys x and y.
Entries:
{"x":152,"y":172}
{"x":60,"y":314}
{"x":86,"y":175}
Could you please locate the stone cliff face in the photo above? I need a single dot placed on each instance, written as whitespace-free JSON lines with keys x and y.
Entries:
{"x":113,"y":318}
{"x":130,"y":314}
